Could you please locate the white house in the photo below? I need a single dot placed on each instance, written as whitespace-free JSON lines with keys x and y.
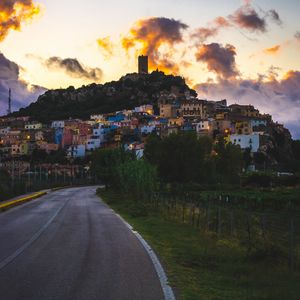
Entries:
{"x":76,"y":151}
{"x":146,"y":129}
{"x":251,"y":141}
{"x":58,"y":124}
{"x":202,"y":126}
{"x":147,"y":108}
{"x":34,"y":126}
{"x":97,"y":117}
{"x":93,"y":143}
{"x":258,"y":122}
{"x":4,"y":131}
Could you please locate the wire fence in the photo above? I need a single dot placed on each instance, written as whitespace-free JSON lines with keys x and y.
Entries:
{"x":39,"y":178}
{"x":266,"y":234}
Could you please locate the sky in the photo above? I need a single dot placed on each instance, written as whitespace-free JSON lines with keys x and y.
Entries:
{"x":244,"y":51}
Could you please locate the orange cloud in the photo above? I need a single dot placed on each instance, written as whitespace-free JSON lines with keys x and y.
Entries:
{"x":291,"y":74}
{"x":13,"y":13}
{"x":147,"y":36}
{"x":106,"y":46}
{"x":272,"y":50}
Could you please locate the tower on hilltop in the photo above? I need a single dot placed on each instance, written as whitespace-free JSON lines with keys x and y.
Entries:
{"x":143,"y":64}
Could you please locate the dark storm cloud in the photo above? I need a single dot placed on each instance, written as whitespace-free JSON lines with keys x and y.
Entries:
{"x":280,"y":98}
{"x":74,"y":68}
{"x":247,"y":18}
{"x":218,"y":59}
{"x":22,"y":92}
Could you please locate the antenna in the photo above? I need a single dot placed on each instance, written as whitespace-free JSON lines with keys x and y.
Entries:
{"x":9,"y":102}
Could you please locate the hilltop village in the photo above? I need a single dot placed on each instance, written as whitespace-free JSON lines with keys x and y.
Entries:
{"x":175,"y":111}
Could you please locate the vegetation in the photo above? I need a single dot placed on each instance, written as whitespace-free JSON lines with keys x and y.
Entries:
{"x":202,"y":266}
{"x":119,"y":169}
{"x":206,"y":218}
{"x":97,"y":98}
{"x":184,"y":158}
{"x":5,"y":183}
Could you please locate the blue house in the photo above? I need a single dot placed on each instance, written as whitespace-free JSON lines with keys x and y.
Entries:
{"x":58,"y":136}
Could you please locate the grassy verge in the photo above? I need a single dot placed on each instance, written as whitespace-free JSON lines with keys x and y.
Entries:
{"x":199,"y":266}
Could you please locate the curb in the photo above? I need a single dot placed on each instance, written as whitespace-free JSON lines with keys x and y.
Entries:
{"x":166,"y":288}
{"x":61,"y":188}
{"x":8,"y":205}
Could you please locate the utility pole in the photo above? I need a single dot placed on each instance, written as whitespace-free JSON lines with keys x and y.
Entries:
{"x":9,"y":102}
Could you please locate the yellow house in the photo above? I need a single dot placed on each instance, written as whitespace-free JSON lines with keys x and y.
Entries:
{"x":169,"y":109}
{"x":243,"y":127}
{"x":193,"y":108}
{"x":20,"y":149}
{"x":176,"y":121}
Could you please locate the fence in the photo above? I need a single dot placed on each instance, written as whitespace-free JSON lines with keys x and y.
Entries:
{"x":36,"y":179}
{"x":266,"y":234}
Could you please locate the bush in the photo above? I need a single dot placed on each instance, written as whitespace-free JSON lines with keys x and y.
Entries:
{"x":287,"y":180}
{"x":137,"y":178}
{"x":137,"y":209}
{"x":257,"y":179}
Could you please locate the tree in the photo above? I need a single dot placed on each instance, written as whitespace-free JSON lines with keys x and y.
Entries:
{"x":296,"y":149}
{"x":105,"y":161}
{"x":247,"y":158}
{"x":229,"y":161}
{"x":137,"y":177}
{"x":5,"y":182}
{"x":179,"y":157}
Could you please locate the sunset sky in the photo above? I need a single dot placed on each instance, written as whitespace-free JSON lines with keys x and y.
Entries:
{"x":245,"y":51}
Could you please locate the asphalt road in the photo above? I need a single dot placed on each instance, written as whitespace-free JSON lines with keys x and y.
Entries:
{"x":69,"y":245}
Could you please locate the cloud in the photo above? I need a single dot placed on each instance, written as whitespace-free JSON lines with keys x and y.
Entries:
{"x":106,"y":46}
{"x":247,"y":18}
{"x":149,"y":35}
{"x":273,"y":14}
{"x":203,"y":33}
{"x":13,"y":13}
{"x":74,"y":68}
{"x":22,"y":92}
{"x":272,"y":50}
{"x":218,"y":59}
{"x":280,"y":98}
{"x":297,"y":36}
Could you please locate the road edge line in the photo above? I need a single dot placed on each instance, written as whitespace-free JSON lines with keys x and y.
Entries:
{"x":27,"y":244}
{"x":167,"y":290}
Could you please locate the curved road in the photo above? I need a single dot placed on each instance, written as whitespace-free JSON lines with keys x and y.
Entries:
{"x":68,"y":245}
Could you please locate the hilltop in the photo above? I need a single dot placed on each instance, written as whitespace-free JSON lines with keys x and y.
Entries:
{"x":130,"y":91}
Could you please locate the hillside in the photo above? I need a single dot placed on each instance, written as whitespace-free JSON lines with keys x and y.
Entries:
{"x":130,"y":91}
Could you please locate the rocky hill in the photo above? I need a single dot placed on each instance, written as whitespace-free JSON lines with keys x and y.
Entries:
{"x":130,"y":91}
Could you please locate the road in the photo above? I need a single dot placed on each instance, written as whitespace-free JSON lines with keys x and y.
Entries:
{"x":69,"y":245}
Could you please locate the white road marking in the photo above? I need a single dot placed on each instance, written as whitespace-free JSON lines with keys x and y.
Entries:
{"x":19,"y":251}
{"x":167,"y":290}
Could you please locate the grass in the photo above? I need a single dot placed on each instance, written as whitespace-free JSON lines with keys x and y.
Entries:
{"x":274,"y":194}
{"x":199,"y":266}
